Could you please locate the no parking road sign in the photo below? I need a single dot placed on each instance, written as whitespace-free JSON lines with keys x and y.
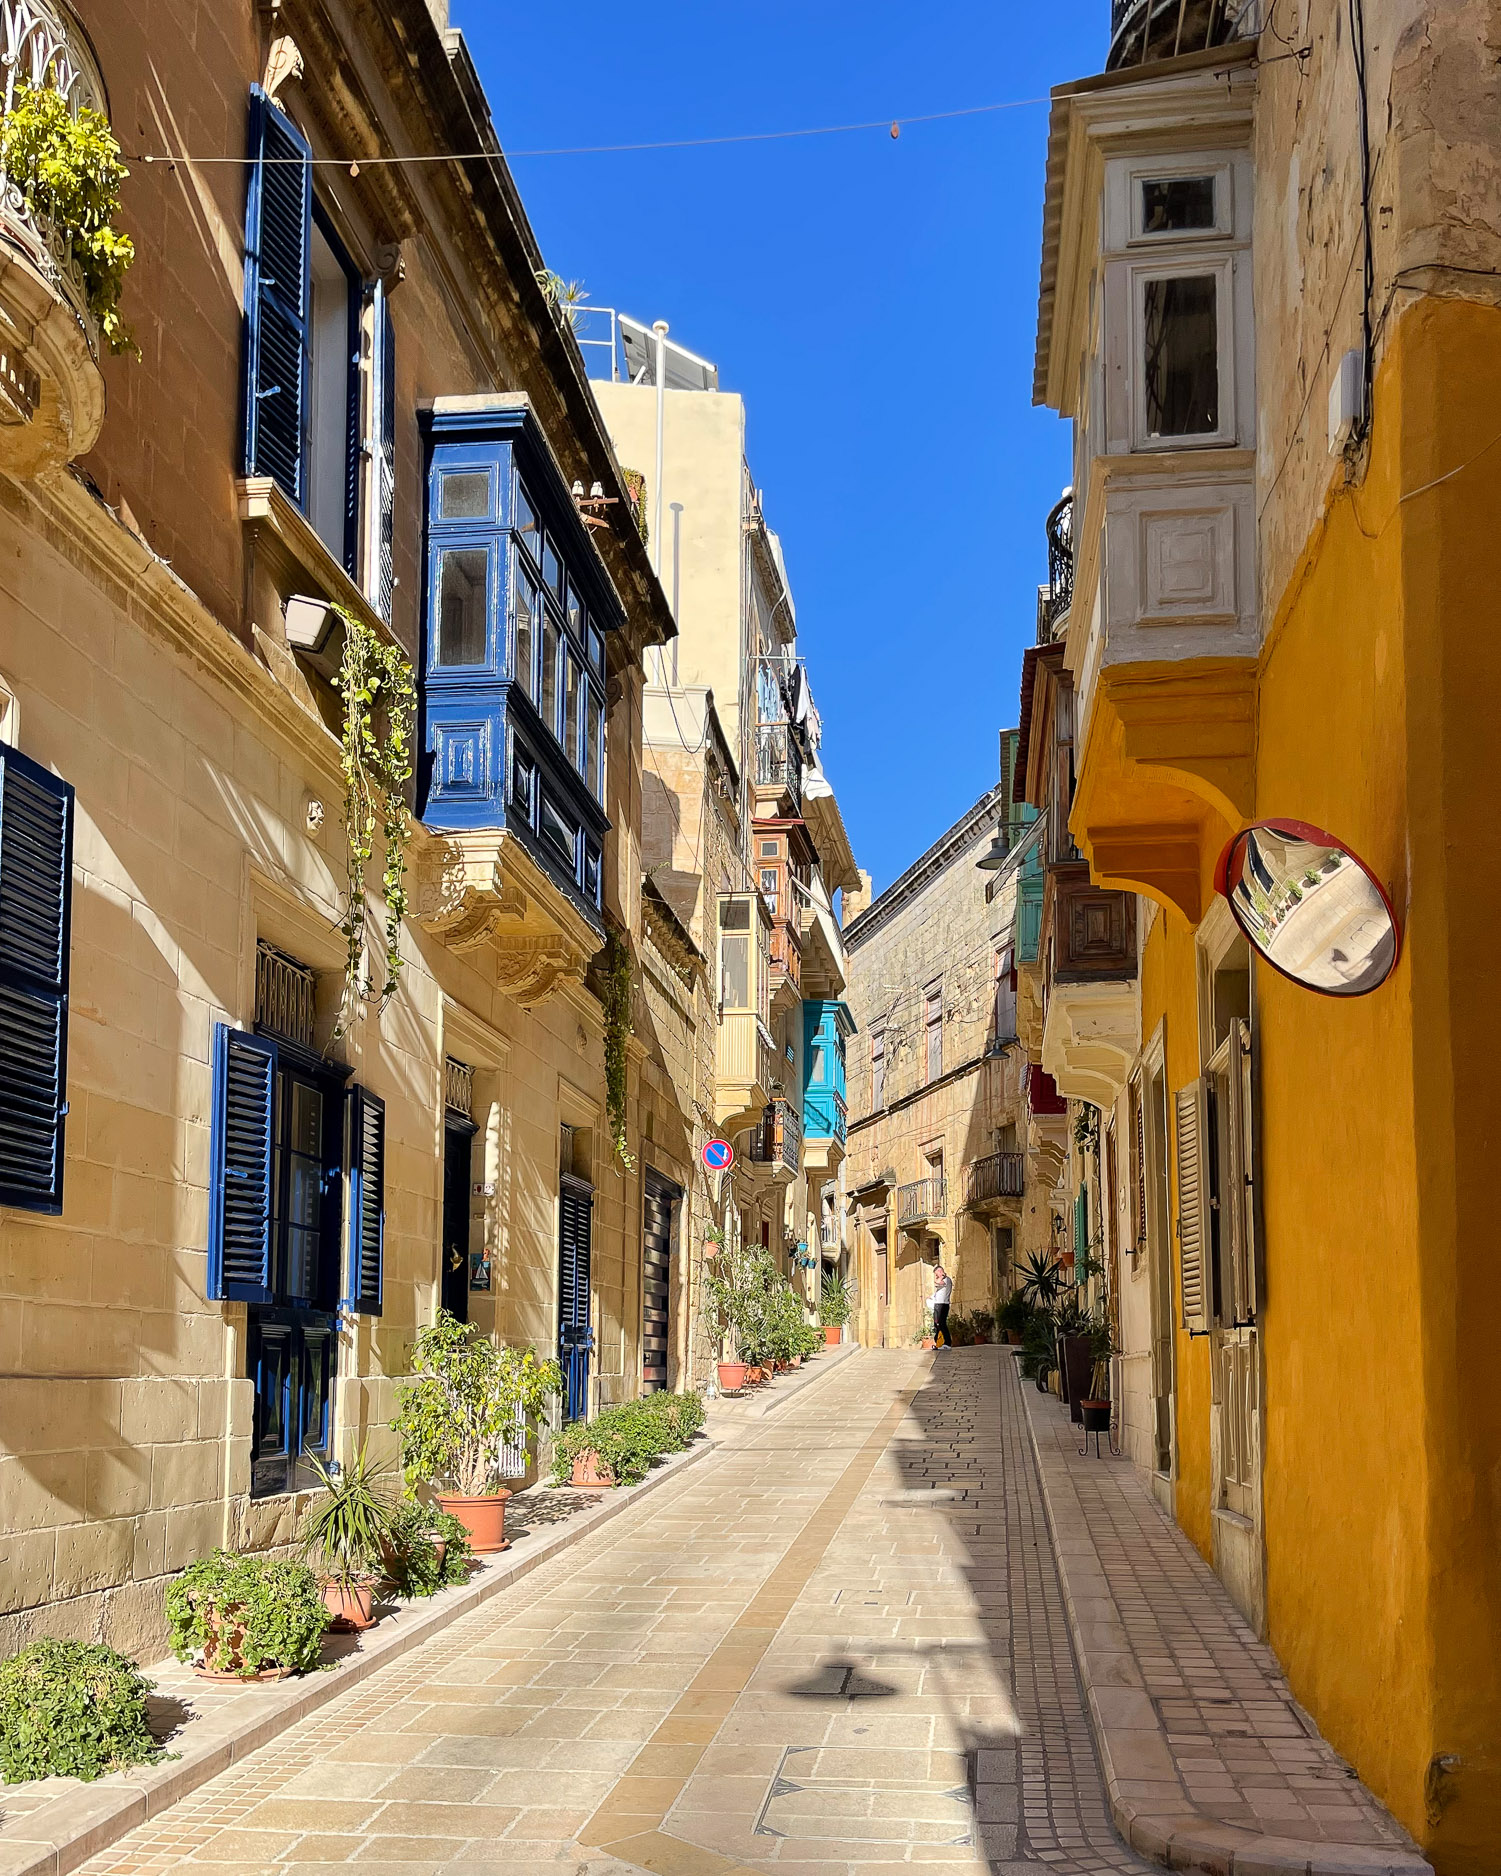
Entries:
{"x":718,"y":1155}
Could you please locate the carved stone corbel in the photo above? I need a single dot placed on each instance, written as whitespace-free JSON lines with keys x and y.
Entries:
{"x":461,"y":897}
{"x":531,"y":969}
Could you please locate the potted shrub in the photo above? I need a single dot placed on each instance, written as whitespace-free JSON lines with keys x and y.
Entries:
{"x":247,"y":1617}
{"x":1095,"y":1406}
{"x":833,"y":1307}
{"x":735,"y":1299}
{"x":426,"y":1549}
{"x":1012,"y":1319}
{"x":347,"y":1532}
{"x":71,"y":1709}
{"x":983,"y":1324}
{"x":458,"y":1411}
{"x":621,"y":1443}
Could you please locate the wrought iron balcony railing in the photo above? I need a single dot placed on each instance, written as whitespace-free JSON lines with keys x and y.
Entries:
{"x":1054,"y":600}
{"x":779,"y":759}
{"x":1144,"y":30}
{"x":997,"y":1176}
{"x":922,"y":1199}
{"x":778,"y":1140}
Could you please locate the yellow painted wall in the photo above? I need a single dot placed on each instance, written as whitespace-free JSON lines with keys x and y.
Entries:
{"x":1382,"y":1431}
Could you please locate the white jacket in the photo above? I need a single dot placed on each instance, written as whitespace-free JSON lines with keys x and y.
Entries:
{"x":943,"y":1290}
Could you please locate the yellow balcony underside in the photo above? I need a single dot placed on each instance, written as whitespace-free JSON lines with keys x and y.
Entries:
{"x":1168,"y":775}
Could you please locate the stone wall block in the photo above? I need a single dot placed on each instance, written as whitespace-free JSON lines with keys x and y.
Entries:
{"x":25,"y":1568}
{"x":118,"y":1481}
{"x":192,"y":1532}
{"x":184,"y":1475}
{"x":93,"y":1556}
{"x":158,"y":1411}
{"x":58,"y":1413}
{"x":42,"y":1489}
{"x":149,"y":1551}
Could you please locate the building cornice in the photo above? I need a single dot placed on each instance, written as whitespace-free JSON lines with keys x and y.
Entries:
{"x":926,"y":868}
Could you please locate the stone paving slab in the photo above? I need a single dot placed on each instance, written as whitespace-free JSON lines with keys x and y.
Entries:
{"x":1209,"y":1762}
{"x":837,"y":1648}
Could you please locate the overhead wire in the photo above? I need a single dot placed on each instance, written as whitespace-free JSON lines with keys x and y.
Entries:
{"x":892,"y":125}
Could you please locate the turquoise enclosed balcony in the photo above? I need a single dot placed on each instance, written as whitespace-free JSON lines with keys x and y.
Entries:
{"x":827,"y":1024}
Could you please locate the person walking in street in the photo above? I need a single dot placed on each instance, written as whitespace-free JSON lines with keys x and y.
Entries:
{"x":943,"y":1295}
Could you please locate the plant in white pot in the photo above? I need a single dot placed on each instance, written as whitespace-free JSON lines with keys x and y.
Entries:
{"x":458,"y":1413}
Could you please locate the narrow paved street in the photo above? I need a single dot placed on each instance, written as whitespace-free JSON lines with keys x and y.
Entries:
{"x":837,"y":1646}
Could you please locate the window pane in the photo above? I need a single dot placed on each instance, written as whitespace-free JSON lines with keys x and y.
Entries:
{"x":523,"y":787}
{"x":461,"y":605}
{"x":548,"y":703}
{"x":524,"y":608}
{"x":1177,"y":204}
{"x":769,"y":888}
{"x":552,"y":567}
{"x":595,"y":732}
{"x":559,"y":831}
{"x":591,"y":875}
{"x":735,"y":952}
{"x":596,"y":651}
{"x":1182,"y":357}
{"x":464,"y":496}
{"x":571,"y":714}
{"x":527,"y":528}
{"x":577,"y":623}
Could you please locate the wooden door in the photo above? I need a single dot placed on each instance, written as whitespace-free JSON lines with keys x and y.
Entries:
{"x":656,"y":1285}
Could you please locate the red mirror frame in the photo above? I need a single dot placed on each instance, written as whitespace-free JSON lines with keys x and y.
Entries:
{"x":1317,"y":836}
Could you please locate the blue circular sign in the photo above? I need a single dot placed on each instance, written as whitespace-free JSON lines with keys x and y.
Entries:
{"x":719,"y":1155}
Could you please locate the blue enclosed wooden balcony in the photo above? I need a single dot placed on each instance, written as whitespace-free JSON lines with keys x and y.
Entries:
{"x":827,"y":1026}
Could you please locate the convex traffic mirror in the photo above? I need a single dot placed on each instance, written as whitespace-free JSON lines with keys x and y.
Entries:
{"x":1312,"y":908}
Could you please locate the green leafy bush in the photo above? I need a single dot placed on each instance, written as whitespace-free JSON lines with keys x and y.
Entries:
{"x":628,"y":1438}
{"x":346,"y":1529}
{"x":1014,"y":1315}
{"x":412,"y":1560}
{"x":244,"y":1614}
{"x":69,"y":170}
{"x":459,"y":1407}
{"x":72,"y":1709}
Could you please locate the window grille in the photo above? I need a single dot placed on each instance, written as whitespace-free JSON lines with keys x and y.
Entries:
{"x":458,"y":1088}
{"x":285,"y":1002}
{"x":511,"y":1452}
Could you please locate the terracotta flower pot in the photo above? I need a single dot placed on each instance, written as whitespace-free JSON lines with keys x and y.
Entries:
{"x":832,"y":1334}
{"x":755,"y":1375}
{"x":589,"y":1475}
{"x":221,"y":1652}
{"x":927,"y":1341}
{"x":352,"y":1605}
{"x":732,"y":1376}
{"x":483,"y":1517}
{"x":1013,"y":1339}
{"x":797,"y":1361}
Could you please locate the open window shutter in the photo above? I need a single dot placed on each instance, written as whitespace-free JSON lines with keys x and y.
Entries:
{"x":1081,"y":1224}
{"x":384,"y":391}
{"x":278,"y":234}
{"x":1139,"y":1149}
{"x":367,"y":1201}
{"x":239,"y":1227}
{"x":36,"y":876}
{"x":1238,"y":1195}
{"x":1193,"y":1204}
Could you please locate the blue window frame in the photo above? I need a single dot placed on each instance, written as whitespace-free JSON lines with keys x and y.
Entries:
{"x":304,"y":303}
{"x":517,"y":609}
{"x":276,"y":1211}
{"x":827,"y":1025}
{"x":36,"y":894}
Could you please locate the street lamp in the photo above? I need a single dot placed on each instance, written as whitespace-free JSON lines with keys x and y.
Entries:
{"x":994,"y":858}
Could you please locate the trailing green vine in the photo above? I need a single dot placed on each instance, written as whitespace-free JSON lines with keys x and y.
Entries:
{"x":380,"y":711}
{"x":616,"y":997}
{"x":67,"y":166}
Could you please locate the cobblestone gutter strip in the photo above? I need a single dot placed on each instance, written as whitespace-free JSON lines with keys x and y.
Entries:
{"x":787,"y":1387}
{"x":1209,"y":1762}
{"x":42,"y":1834}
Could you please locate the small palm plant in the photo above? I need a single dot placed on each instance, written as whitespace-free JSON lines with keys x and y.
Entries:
{"x":1040,"y":1280}
{"x":348,"y":1529}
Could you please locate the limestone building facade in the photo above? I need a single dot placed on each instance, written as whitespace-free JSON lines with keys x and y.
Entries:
{"x":235,"y":1176}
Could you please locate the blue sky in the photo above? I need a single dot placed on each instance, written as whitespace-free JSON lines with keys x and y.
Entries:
{"x":874,"y":302}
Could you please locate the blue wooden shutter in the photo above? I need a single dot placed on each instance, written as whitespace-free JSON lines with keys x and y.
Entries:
{"x":278,"y":291}
{"x":367,"y":1200}
{"x":36,"y":877}
{"x":384,"y":390}
{"x":239,"y":1228}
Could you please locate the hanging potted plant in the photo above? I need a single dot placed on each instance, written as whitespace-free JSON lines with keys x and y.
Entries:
{"x":346,"y":1533}
{"x":833,"y":1308}
{"x":457,"y":1414}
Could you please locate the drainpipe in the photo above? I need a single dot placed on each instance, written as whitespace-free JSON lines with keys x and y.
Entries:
{"x":660,"y":328}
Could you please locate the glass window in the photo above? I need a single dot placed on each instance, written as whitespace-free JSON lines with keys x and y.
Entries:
{"x":523,"y":786}
{"x":1180,"y":334}
{"x":594,"y":731}
{"x":578,"y":622}
{"x":462,"y":582}
{"x":591,"y":874}
{"x":596,"y":651}
{"x":559,"y":830}
{"x":547,"y":703}
{"x":819,"y":1075}
{"x":571,"y":700}
{"x":528,"y":528}
{"x":464,"y":495}
{"x":734,"y":951}
{"x":1177,"y":204}
{"x":524,"y":606}
{"x":769,"y":888}
{"x":552,"y":567}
